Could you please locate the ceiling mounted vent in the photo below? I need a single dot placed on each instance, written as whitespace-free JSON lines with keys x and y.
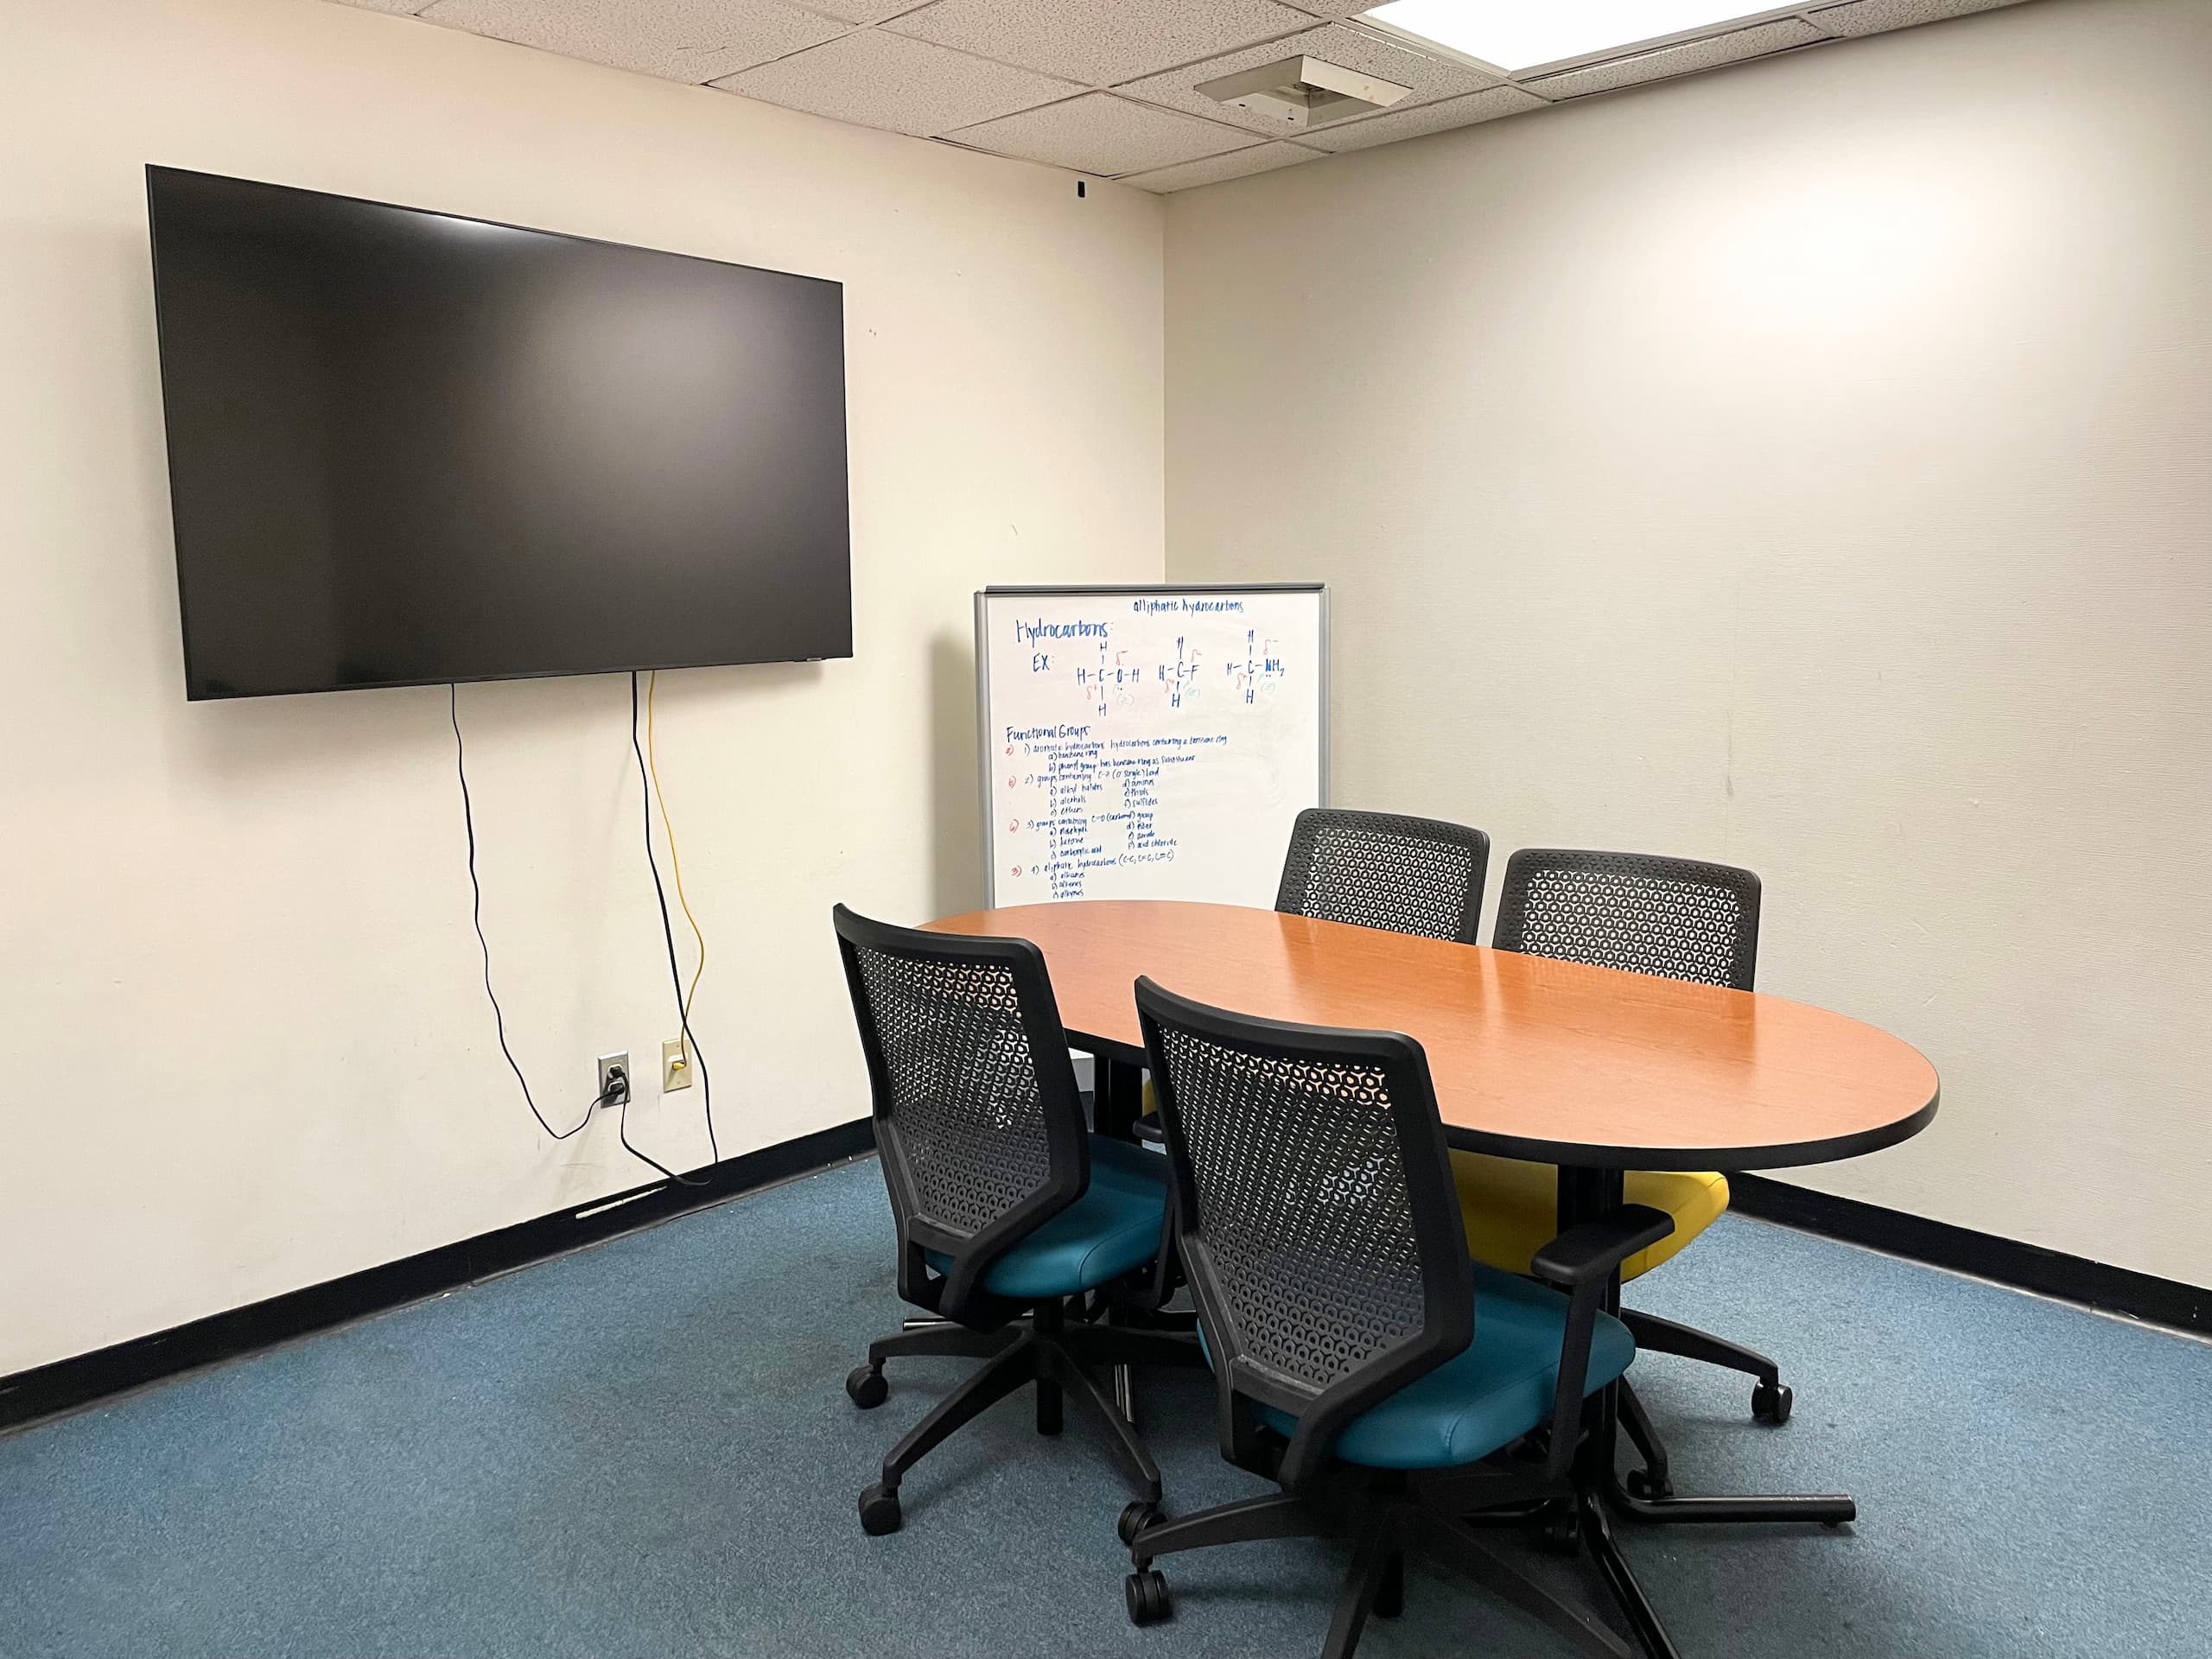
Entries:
{"x":1301,"y":92}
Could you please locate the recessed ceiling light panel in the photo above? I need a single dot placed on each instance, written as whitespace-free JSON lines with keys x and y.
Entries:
{"x":1516,"y":34}
{"x":1303,"y":93}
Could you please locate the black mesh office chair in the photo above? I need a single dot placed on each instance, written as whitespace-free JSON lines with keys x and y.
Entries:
{"x":1380,"y":869}
{"x":1015,"y":1224}
{"x":1674,"y":917}
{"x":1375,"y":869}
{"x":1364,"y":1362}
{"x":1677,"y":918}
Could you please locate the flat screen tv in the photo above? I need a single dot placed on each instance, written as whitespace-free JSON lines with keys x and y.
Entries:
{"x":407,"y":448}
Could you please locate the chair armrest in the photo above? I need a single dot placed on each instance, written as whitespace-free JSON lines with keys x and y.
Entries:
{"x":1149,"y":1127}
{"x":1582,"y":1261}
{"x":1592,"y":1250}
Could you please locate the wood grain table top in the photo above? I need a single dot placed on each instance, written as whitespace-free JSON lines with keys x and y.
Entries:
{"x":1532,"y":1057}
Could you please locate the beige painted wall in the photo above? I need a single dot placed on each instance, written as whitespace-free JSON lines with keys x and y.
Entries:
{"x":1809,"y":465}
{"x":245,"y":1046}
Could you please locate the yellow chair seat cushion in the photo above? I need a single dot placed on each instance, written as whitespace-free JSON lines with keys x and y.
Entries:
{"x":1512,"y":1207}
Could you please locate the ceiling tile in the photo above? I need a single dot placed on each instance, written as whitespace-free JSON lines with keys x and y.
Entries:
{"x":857,"y":11}
{"x":1682,"y":59}
{"x":877,"y":79}
{"x":1394,"y":125}
{"x":405,"y":7}
{"x":1238,"y":163}
{"x":1430,"y":77}
{"x":677,"y":39}
{"x":1873,"y":17}
{"x":1102,"y":134}
{"x":1099,"y":41}
{"x":1336,"y":7}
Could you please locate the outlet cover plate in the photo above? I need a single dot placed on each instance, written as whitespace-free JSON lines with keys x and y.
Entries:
{"x":607,"y":1063}
{"x":675,"y":1067}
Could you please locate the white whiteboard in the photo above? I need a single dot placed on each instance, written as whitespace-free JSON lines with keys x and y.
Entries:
{"x":1148,"y":742}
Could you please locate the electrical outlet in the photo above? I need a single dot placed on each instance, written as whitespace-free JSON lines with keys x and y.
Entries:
{"x":609,"y":1066}
{"x":675,"y":1067}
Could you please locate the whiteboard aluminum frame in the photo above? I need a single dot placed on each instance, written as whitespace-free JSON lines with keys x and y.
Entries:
{"x":1139,"y":590}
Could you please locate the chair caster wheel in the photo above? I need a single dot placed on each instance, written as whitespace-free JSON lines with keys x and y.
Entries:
{"x":1135,"y":1518}
{"x":1146,"y":1594}
{"x":866,"y":1387}
{"x":1642,"y":1484}
{"x":880,"y":1510}
{"x":1561,"y":1533}
{"x":1770,"y":1403}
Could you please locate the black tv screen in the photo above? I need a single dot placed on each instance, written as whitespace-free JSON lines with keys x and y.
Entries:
{"x":407,"y":448}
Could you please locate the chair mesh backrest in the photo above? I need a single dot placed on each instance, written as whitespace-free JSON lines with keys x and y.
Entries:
{"x":1672,"y":916}
{"x":965,"y":1107}
{"x":1301,"y":1201}
{"x":1378,"y":869}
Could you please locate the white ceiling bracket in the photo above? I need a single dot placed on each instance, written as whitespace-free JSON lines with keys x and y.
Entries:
{"x":1304,"y":93}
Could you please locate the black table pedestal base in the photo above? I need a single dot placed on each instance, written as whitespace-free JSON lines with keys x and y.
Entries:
{"x":1649,"y":1496}
{"x":1585,"y":1193}
{"x":1824,"y":1509}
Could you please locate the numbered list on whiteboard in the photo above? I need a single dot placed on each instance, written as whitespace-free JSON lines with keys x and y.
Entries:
{"x":1150,"y":745}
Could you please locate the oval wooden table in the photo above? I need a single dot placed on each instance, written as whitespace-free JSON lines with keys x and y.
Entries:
{"x":1592,"y":1068}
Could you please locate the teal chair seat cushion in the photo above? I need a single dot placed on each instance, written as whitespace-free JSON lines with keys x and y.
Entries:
{"x":1488,"y":1397}
{"x":1113,"y":1228}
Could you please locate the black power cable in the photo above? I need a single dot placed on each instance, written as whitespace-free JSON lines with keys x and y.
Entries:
{"x":483,"y":945}
{"x":675,"y":972}
{"x":618,"y":1091}
{"x":622,"y":1128}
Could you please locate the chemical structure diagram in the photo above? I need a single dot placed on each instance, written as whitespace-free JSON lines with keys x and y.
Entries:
{"x":1113,"y":677}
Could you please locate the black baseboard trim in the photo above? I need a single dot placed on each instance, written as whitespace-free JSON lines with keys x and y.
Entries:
{"x":2007,"y":1261}
{"x":68,"y":1385}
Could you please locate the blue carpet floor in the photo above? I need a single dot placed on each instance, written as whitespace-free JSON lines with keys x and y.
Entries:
{"x":644,"y":1449}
